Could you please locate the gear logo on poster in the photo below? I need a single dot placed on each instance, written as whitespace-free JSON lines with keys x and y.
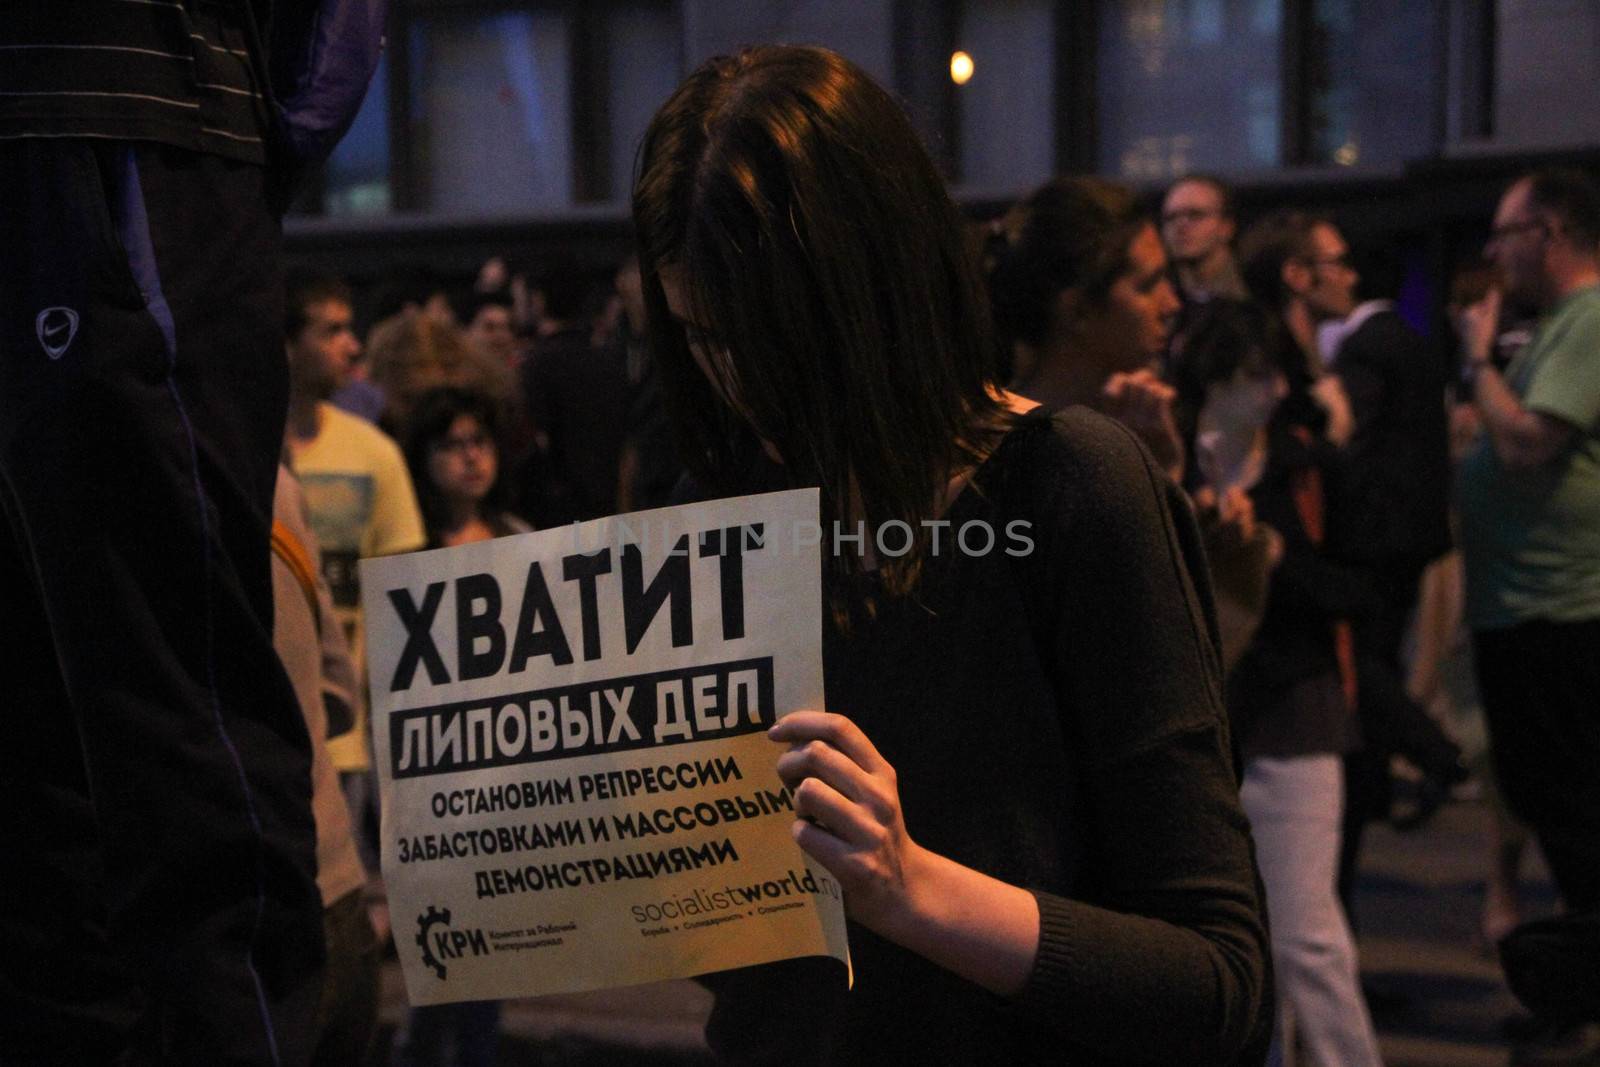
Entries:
{"x":439,"y":943}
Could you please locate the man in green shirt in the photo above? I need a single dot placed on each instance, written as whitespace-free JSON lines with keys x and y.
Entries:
{"x":1530,"y":517}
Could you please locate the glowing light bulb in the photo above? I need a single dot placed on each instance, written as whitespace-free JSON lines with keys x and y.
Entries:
{"x":961,"y":68}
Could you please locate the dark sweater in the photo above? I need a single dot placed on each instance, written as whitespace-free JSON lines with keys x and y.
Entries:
{"x":1394,"y":476}
{"x":1054,"y":721}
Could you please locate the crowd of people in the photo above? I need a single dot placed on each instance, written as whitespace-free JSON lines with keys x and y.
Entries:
{"x":1306,"y":423}
{"x":1126,"y":781}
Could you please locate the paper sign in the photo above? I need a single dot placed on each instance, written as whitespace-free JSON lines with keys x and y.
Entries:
{"x":570,"y":730}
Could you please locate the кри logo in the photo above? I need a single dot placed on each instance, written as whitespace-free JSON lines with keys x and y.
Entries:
{"x":439,"y":945}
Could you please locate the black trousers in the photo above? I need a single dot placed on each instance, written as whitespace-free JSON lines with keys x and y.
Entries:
{"x":157,"y":879}
{"x":1540,"y":684}
{"x":1390,"y":721}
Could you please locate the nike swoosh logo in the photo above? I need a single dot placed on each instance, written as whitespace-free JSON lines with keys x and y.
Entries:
{"x":56,"y":327}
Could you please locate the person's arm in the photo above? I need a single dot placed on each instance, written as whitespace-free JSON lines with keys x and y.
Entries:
{"x":1522,"y":438}
{"x":849,"y":819}
{"x":1172,"y":911}
{"x":1176,"y":912}
{"x":1143,"y":403}
{"x":1241,"y":555}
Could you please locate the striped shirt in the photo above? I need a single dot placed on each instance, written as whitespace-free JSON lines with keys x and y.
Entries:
{"x":180,"y":72}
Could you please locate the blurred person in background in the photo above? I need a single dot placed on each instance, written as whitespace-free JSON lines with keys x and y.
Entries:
{"x":311,"y":643}
{"x":410,"y":354}
{"x":1081,"y":296}
{"x":575,"y":398}
{"x":487,"y":326}
{"x":1198,"y":228}
{"x":1392,"y":520}
{"x":1304,"y":277}
{"x":1529,"y":495}
{"x":452,"y":446}
{"x":1442,"y":676}
{"x":359,"y":504}
{"x":1294,"y":693}
{"x":1227,"y":388}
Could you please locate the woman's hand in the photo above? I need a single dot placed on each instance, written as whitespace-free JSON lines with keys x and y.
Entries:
{"x":845,"y":793}
{"x":1143,"y":403}
{"x":1237,"y":514}
{"x":848,"y":804}
{"x":1328,"y":391}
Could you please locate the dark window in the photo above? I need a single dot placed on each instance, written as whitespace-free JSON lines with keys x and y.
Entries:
{"x":490,"y":112}
{"x":644,"y":65}
{"x":1371,"y":81}
{"x":356,"y":178}
{"x":1188,"y":85}
{"x":1007,"y":106}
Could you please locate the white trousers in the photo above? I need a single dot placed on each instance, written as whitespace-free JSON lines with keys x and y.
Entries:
{"x":1295,"y":807}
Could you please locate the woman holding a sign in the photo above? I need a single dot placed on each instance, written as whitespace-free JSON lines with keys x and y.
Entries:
{"x":1023,"y":781}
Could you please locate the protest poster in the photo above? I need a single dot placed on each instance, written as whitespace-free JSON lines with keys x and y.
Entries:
{"x":576,"y":787}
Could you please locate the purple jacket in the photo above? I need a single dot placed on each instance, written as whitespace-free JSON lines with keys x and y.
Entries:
{"x":323,"y":56}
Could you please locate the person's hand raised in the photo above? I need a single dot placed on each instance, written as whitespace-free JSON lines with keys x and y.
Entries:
{"x":1143,"y":403}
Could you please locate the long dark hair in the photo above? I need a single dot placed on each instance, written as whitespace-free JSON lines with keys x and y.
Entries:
{"x":820,"y":248}
{"x":1070,"y":233}
{"x":1228,"y":335}
{"x":429,"y":423}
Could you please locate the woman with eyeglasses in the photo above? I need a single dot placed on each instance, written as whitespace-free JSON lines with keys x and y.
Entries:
{"x":1023,"y":779}
{"x":451,"y":444}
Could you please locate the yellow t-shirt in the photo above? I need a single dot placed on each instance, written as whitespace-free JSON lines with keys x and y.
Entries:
{"x":361,"y":504}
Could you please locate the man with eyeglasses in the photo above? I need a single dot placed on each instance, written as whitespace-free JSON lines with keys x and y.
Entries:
{"x":1529,"y":494}
{"x":1395,"y":488}
{"x":1197,"y":226}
